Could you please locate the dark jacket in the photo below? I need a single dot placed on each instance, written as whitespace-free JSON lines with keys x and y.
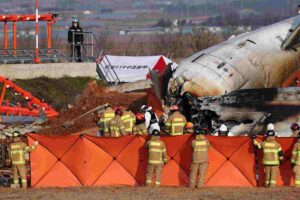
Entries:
{"x":77,"y":37}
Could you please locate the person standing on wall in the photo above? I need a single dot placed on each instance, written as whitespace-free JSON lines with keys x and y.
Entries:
{"x":75,"y":38}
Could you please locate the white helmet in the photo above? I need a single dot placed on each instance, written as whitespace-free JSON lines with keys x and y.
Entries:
{"x":223,"y":128}
{"x":270,"y":127}
{"x":144,"y":108}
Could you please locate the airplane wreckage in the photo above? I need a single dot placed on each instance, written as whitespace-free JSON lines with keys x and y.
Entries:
{"x":237,"y":82}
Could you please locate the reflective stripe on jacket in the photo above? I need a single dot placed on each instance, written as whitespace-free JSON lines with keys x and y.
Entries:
{"x":176,"y":123}
{"x":17,"y":152}
{"x":108,"y":114}
{"x":271,"y":149}
{"x":200,"y":146}
{"x":116,"y":127}
{"x":157,"y":151}
{"x":296,"y":154}
{"x":128,"y":119}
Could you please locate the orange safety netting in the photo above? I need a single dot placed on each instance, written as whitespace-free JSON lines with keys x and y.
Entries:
{"x":76,"y":160}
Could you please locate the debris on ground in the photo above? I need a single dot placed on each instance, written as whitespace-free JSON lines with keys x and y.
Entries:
{"x":91,"y":97}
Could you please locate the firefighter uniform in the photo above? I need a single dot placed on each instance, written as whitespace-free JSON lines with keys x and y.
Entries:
{"x":200,"y":160}
{"x":128,"y":119}
{"x":296,"y":162}
{"x":157,"y":158}
{"x":272,"y":154}
{"x":17,"y":151}
{"x":176,"y":124}
{"x":116,"y":127}
{"x":105,"y":118}
{"x":139,"y":129}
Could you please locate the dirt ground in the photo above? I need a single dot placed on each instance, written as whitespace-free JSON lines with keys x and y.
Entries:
{"x":142,"y":193}
{"x":92,"y":96}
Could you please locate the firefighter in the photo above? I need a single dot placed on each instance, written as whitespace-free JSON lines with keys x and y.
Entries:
{"x":128,"y":119}
{"x":75,"y":38}
{"x":199,"y":165}
{"x":115,"y":126}
{"x":272,"y":156}
{"x":176,"y":122}
{"x":157,"y":158}
{"x":139,"y":128}
{"x":151,"y":119}
{"x":189,"y":128}
{"x":105,"y":118}
{"x":295,"y":129}
{"x":17,"y":150}
{"x":296,"y":161}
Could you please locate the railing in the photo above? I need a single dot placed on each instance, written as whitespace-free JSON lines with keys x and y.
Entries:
{"x":89,"y":47}
{"x":15,"y":56}
{"x":105,"y":70}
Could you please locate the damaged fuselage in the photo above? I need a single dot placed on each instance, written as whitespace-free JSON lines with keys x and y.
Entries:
{"x":212,"y":85}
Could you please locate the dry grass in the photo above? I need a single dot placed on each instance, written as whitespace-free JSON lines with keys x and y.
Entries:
{"x":142,"y":193}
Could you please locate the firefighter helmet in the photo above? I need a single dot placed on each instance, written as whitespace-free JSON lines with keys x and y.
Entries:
{"x":223,"y":128}
{"x":295,"y":127}
{"x":270,"y":127}
{"x":155,"y":132}
{"x":16,"y":134}
{"x":174,"y":108}
{"x":118,"y":112}
{"x":189,"y":125}
{"x":271,"y":133}
{"x":75,"y":19}
{"x":200,"y":132}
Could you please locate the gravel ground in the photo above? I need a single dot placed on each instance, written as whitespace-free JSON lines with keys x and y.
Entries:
{"x":142,"y":193}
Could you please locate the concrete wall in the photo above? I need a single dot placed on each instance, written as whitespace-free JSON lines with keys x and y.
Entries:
{"x":51,"y":70}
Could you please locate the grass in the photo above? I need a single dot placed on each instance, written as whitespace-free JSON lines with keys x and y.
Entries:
{"x":142,"y":193}
{"x":57,"y":92}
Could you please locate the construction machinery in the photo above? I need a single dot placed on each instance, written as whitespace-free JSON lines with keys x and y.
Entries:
{"x":19,"y":106}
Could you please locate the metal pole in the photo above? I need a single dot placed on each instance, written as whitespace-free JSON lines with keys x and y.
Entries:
{"x":37,"y":59}
{"x":93,"y":45}
{"x":73,"y":46}
{"x":49,"y":28}
{"x":5,"y":36}
{"x":15,"y":37}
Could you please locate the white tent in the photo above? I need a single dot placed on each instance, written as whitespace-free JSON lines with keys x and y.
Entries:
{"x":130,"y":68}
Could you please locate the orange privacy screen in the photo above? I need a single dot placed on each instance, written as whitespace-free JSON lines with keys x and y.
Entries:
{"x":76,"y":160}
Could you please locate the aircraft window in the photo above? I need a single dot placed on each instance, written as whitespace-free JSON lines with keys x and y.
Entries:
{"x":225,"y":70}
{"x":241,"y":44}
{"x":221,"y":65}
{"x":198,"y":57}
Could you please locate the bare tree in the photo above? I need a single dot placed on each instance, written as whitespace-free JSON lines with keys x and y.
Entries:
{"x":202,"y":39}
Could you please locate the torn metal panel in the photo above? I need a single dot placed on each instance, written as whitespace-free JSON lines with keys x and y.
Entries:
{"x":240,"y":110}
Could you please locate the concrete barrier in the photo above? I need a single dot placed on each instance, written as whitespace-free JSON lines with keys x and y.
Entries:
{"x":51,"y":70}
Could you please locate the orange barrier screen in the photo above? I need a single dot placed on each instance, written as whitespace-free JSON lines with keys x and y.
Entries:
{"x":76,"y":160}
